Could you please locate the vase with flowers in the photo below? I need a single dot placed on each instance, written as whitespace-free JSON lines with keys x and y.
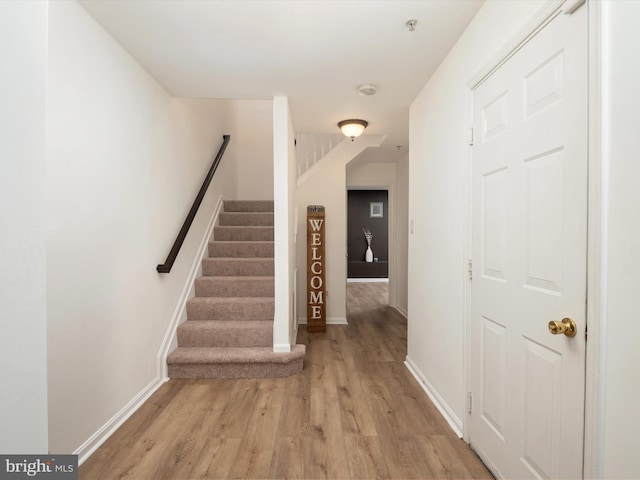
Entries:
{"x":368,"y":256}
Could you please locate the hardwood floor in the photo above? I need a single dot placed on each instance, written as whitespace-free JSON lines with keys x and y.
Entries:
{"x":355,"y":411}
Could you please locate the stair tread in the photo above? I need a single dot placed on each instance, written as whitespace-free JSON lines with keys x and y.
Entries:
{"x":246,"y":213}
{"x":246,"y":205}
{"x":241,"y":249}
{"x":239,"y":242}
{"x":205,"y":355}
{"x":231,"y":227}
{"x":231,"y":300}
{"x":238,"y":259}
{"x":265,"y":219}
{"x":249,"y":214}
{"x":235,"y":278}
{"x":224,"y":324}
{"x":234,"y":286}
{"x":237,"y":266}
{"x":243,"y":233}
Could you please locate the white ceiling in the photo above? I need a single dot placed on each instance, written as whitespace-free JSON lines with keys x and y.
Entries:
{"x":315,"y":52}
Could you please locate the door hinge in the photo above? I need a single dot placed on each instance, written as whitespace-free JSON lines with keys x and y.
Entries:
{"x":470,"y":136}
{"x":585,"y":333}
{"x":470,"y":269}
{"x":469,"y":402}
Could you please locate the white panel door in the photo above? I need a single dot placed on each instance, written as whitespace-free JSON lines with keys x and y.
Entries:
{"x":529,"y":256}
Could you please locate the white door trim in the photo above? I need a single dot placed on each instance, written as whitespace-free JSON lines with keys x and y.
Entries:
{"x":594,"y":383}
{"x":596,"y":228}
{"x":547,"y":13}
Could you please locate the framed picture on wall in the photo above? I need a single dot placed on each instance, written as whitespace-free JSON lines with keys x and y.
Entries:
{"x":375,"y":210}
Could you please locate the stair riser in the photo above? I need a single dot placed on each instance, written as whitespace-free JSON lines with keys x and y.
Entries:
{"x":239,"y":311}
{"x":241,"y":249}
{"x":220,"y":287}
{"x":235,"y":370}
{"x":246,"y":219}
{"x":225,"y":268}
{"x":243,"y":234}
{"x":248,"y":205}
{"x":224,"y":338}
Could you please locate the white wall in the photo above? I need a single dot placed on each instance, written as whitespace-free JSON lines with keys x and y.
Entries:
{"x":284,"y":184}
{"x":23,"y":321}
{"x":325,"y":184}
{"x":381,"y":174}
{"x":253,"y":139}
{"x":402,"y":234}
{"x":438,"y":155}
{"x":620,"y":327}
{"x":124,"y":162}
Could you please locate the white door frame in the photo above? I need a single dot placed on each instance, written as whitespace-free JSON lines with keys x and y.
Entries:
{"x":595,"y":235}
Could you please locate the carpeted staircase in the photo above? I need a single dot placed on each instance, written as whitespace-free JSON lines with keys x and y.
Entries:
{"x":229,"y":327}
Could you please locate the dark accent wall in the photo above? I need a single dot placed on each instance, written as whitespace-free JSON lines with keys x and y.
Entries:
{"x":358,"y":216}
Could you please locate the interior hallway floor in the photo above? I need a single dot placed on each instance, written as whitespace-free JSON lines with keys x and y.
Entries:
{"x":355,"y":411}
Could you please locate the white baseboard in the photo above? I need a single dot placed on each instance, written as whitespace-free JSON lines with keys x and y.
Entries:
{"x":169,"y":342}
{"x":367,"y":280}
{"x":85,"y":450}
{"x":402,"y":312}
{"x":281,"y":348}
{"x":451,"y":418}
{"x":330,"y":321}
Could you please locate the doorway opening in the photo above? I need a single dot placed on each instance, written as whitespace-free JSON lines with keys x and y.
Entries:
{"x":368,"y":245}
{"x":368,"y":235}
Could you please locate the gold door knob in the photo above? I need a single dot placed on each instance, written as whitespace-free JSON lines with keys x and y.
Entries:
{"x":566,"y":326}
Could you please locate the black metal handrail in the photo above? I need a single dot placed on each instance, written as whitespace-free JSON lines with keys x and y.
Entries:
{"x":168,"y":263}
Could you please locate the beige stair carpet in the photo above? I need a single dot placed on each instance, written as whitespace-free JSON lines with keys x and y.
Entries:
{"x":229,"y":327}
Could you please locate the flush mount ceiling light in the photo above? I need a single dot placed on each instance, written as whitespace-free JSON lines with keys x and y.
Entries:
{"x":352,"y":128}
{"x":367,"y":90}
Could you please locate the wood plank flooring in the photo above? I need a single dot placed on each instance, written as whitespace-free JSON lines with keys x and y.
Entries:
{"x":354,"y":412}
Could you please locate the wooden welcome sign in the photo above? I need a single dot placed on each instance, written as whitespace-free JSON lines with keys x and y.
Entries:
{"x":316,"y":293}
